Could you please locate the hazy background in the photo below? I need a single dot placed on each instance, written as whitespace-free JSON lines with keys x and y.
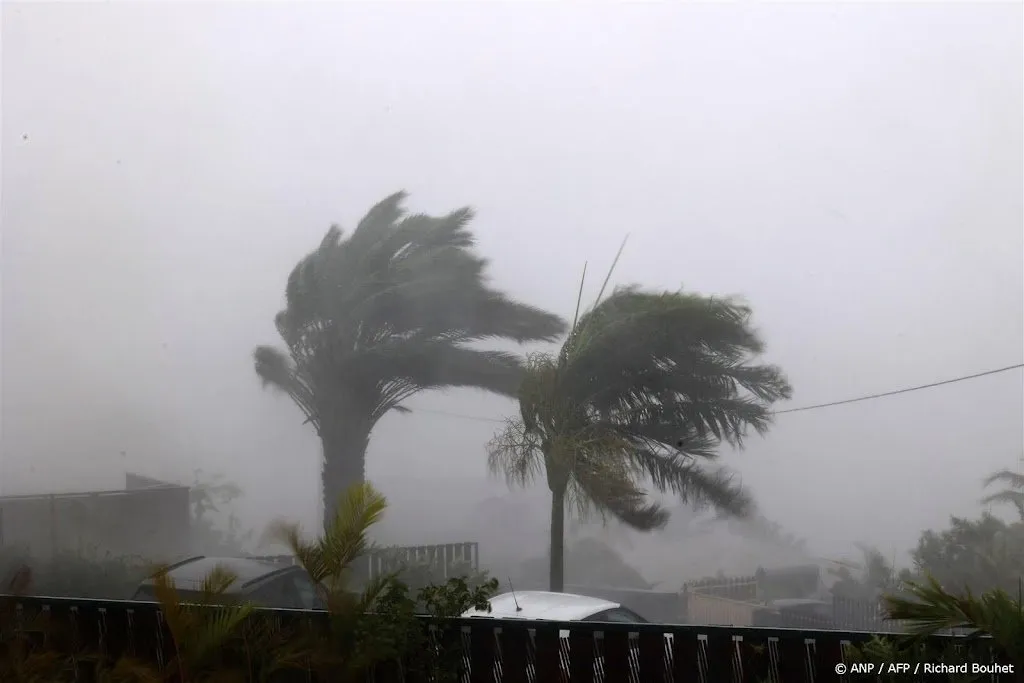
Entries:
{"x":854,"y":171}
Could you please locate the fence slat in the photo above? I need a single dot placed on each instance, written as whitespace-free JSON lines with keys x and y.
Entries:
{"x":651,"y":660}
{"x":793,"y":659}
{"x":547,"y":646}
{"x":516,"y":654}
{"x":721,"y":652}
{"x":827,"y":653}
{"x":755,"y":659}
{"x":685,"y":653}
{"x":481,"y":654}
{"x":616,"y":656}
{"x":582,"y":648}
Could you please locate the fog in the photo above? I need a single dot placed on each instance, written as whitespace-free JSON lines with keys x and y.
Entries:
{"x":854,"y":171}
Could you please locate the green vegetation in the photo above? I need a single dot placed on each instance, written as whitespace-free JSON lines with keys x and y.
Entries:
{"x":217,"y":639}
{"x":391,"y":311}
{"x":645,"y":389}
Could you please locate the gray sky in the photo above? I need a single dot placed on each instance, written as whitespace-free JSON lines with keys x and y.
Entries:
{"x":855,"y":171}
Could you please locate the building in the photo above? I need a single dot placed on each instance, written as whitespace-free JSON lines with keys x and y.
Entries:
{"x":148,"y":518}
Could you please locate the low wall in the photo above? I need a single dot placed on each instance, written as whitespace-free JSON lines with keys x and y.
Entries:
{"x":153,"y":523}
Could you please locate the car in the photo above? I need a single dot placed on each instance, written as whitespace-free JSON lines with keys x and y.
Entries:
{"x":265,"y":584}
{"x":545,"y":605}
{"x":556,"y":607}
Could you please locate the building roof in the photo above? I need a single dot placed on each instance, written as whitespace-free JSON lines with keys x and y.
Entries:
{"x":543,"y":605}
{"x":189,"y":574}
{"x":86,"y":495}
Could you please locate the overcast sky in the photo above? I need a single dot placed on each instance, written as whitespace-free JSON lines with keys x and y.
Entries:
{"x":854,"y":171}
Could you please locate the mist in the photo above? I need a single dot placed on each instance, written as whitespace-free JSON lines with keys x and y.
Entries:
{"x":855,"y":172}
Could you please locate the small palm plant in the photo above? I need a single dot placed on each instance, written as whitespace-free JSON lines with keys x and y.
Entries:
{"x":203,"y":631}
{"x":365,"y":627}
{"x":931,"y":609}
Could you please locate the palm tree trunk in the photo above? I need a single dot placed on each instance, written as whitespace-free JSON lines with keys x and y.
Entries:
{"x":344,"y":450}
{"x":556,"y":576}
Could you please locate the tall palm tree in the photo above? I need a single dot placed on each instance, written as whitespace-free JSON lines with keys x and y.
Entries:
{"x":644,"y":389}
{"x":1012,"y":494}
{"x":373,"y":319}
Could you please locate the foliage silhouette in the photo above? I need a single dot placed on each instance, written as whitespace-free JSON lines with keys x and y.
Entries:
{"x":644,"y":389}
{"x":932,"y":609}
{"x":388,"y":312}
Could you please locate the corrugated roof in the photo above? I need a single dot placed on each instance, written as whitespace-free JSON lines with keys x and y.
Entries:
{"x":190,"y":575}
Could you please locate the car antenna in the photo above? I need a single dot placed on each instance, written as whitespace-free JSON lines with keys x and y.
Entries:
{"x":511,"y":588}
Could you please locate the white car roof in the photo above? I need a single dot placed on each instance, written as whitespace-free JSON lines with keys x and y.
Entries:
{"x":543,"y":605}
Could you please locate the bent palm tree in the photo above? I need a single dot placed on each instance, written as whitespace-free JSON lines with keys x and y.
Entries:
{"x":388,"y":312}
{"x":645,"y":388}
{"x":1012,"y":494}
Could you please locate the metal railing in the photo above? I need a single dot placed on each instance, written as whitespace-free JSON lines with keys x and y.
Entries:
{"x":519,"y":651}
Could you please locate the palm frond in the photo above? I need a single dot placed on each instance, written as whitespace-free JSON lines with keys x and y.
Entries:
{"x":931,"y":609}
{"x":516,"y":453}
{"x":693,"y":484}
{"x":1013,"y":480}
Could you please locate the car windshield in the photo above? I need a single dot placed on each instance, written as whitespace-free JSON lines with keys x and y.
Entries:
{"x":618,"y":615}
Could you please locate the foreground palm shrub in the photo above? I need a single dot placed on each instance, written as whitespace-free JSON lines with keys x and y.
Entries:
{"x":378,"y":623}
{"x":216,"y":639}
{"x":931,"y":609}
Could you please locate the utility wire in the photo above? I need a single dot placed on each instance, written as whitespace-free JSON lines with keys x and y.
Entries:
{"x":901,"y":391}
{"x":801,"y":409}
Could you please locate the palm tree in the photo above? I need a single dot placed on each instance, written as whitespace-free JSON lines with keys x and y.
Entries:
{"x":646,"y":387}
{"x":1012,"y":494}
{"x":932,"y":609}
{"x":373,"y":319}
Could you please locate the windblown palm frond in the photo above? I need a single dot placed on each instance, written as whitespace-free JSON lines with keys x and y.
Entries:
{"x":1012,"y":494}
{"x":390,"y":311}
{"x":931,"y":609}
{"x":643,"y":391}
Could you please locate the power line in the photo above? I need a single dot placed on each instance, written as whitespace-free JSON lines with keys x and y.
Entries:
{"x":801,"y":409}
{"x":907,"y":390}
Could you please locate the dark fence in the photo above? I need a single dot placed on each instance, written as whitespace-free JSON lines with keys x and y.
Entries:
{"x":518,"y":651}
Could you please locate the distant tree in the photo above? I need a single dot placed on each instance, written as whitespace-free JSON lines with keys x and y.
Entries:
{"x":211,"y":496}
{"x":877,"y":577}
{"x":376,"y":318}
{"x":644,"y":389}
{"x":1012,"y":494}
{"x":980,"y":555}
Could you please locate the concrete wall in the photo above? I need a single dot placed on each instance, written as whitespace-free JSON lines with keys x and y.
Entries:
{"x":153,"y":523}
{"x":712,"y":610}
